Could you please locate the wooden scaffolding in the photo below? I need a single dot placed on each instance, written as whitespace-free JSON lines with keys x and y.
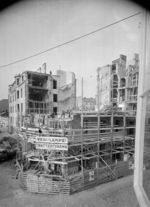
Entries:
{"x":102,"y":149}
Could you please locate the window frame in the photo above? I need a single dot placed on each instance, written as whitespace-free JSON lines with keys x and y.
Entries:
{"x":141,"y":112}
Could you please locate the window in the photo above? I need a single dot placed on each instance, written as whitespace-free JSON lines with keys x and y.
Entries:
{"x":21,"y":107}
{"x":54,"y":84}
{"x":17,"y":81}
{"x":17,"y":94}
{"x":54,"y":97}
{"x":142,"y":144}
{"x":22,"y":78}
{"x":18,"y":108}
{"x":55,"y":110}
{"x":21,"y":92}
{"x":113,"y":68}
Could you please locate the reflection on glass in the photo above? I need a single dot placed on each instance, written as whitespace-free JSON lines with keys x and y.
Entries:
{"x":146,"y":166}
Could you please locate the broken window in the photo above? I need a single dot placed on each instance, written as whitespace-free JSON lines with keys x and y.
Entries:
{"x":17,"y":94}
{"x":55,"y":110}
{"x":54,"y":84}
{"x":17,"y":81}
{"x":115,"y":81}
{"x":122,"y":82}
{"x":113,"y":68}
{"x":54,"y":97}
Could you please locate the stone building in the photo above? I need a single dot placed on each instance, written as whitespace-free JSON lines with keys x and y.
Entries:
{"x":117,"y":84}
{"x":39,"y":93}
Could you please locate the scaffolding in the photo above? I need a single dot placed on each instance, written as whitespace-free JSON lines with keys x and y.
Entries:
{"x":67,"y":160}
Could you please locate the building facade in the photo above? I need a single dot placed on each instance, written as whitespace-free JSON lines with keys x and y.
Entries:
{"x":37,"y":93}
{"x":67,"y":91}
{"x":89,"y":104}
{"x":117,"y":84}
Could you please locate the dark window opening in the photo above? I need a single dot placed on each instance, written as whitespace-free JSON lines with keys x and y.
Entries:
{"x":17,"y":94}
{"x":18,"y":108}
{"x":54,"y":97}
{"x":37,"y":80}
{"x":54,"y":84}
{"x":37,"y":95}
{"x":122,"y":82}
{"x":118,"y":121}
{"x":114,"y":93}
{"x":115,"y":81}
{"x":55,"y":110}
{"x":113,"y":68}
{"x":122,"y":94}
{"x":17,"y":81}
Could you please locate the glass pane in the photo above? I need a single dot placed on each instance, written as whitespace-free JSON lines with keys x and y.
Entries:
{"x":146,"y":167}
{"x":146,"y":103}
{"x":77,"y":66}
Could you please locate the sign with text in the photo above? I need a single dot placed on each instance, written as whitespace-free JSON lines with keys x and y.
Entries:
{"x":52,"y":146}
{"x":52,"y":140}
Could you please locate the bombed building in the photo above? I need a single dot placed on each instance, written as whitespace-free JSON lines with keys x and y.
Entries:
{"x":118,"y":83}
{"x":40,"y":93}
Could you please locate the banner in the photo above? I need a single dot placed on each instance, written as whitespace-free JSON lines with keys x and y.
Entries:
{"x":49,"y":146}
{"x":52,"y":140}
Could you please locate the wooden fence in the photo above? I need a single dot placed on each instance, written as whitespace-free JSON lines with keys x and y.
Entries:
{"x":75,"y":183}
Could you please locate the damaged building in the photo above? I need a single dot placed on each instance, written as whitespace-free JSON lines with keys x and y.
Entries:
{"x":118,"y":84}
{"x":40,"y":93}
{"x":67,"y":91}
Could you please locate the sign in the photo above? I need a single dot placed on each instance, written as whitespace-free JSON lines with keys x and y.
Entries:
{"x":52,"y":146}
{"x":52,"y":140}
{"x":32,"y":139}
{"x":91,"y":175}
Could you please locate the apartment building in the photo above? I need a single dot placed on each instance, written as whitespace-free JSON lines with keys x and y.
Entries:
{"x":117,"y":84}
{"x":36,"y":93}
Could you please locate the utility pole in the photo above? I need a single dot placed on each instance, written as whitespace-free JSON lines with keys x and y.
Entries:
{"x":98,"y":117}
{"x":82,"y":126}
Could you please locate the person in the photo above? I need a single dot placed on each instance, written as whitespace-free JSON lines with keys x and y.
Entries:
{"x":40,"y":131}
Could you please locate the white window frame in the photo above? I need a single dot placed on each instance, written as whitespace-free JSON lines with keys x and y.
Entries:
{"x":141,"y":111}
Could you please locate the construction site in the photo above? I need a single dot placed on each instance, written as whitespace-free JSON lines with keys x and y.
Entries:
{"x":63,"y":151}
{"x":67,"y":156}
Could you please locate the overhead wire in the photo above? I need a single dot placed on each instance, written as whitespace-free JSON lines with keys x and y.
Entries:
{"x":70,"y":41}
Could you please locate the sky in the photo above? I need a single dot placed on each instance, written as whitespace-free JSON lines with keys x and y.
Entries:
{"x":32,"y":26}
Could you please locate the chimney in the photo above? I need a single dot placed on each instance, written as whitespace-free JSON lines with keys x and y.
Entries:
{"x":44,"y":68}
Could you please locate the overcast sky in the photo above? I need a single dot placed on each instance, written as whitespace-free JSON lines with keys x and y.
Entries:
{"x":32,"y":26}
